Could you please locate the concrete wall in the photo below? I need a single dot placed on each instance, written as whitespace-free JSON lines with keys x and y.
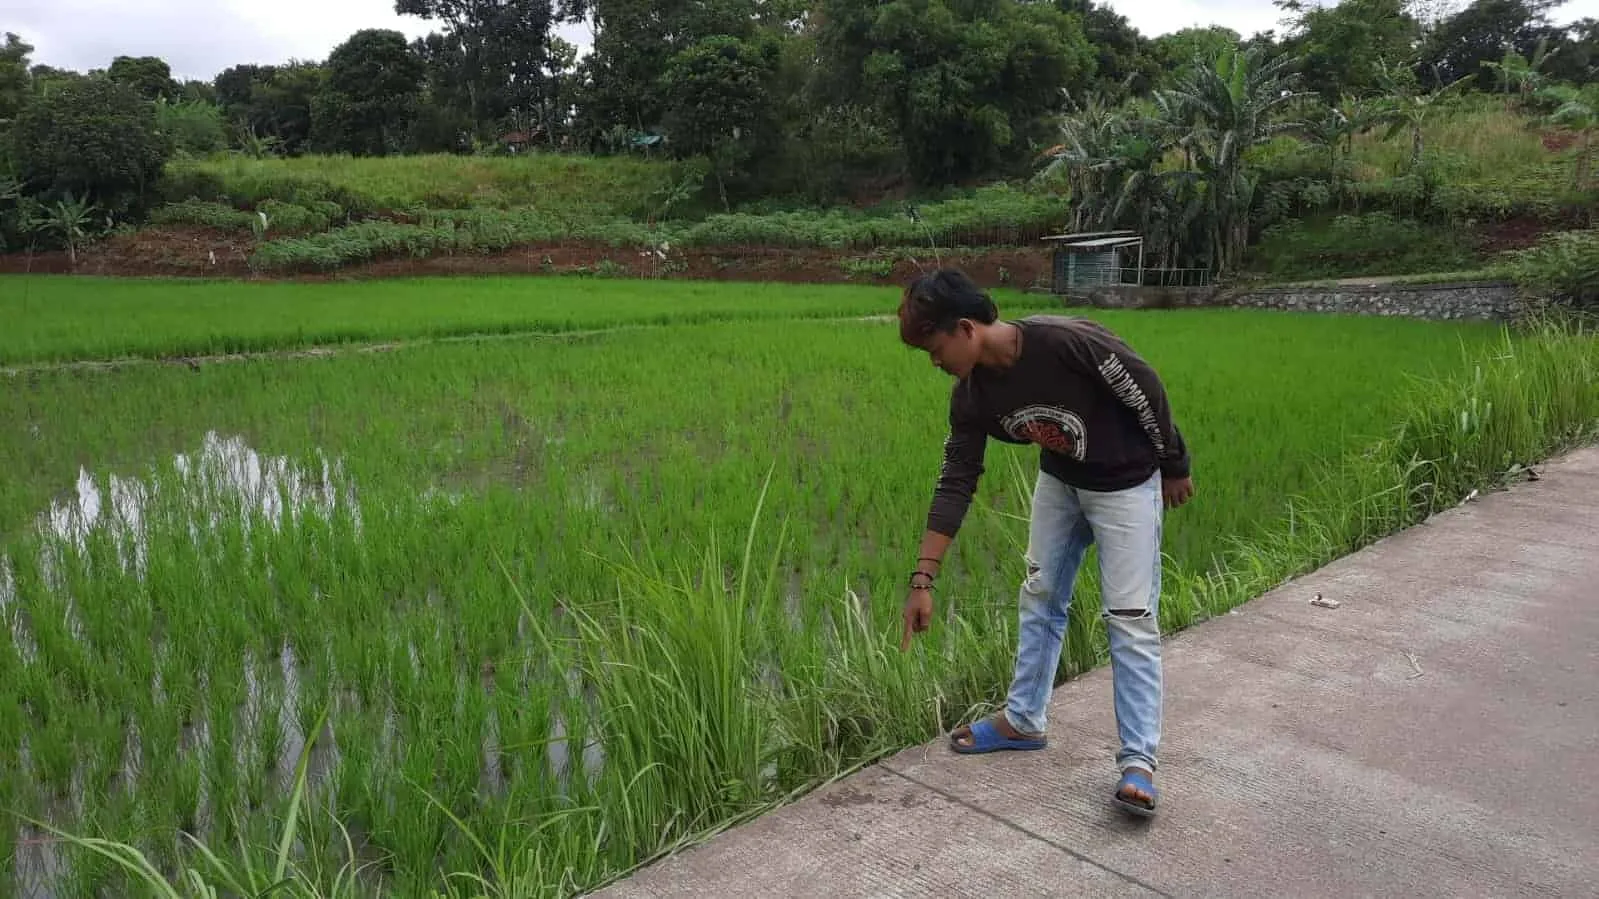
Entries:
{"x":1442,"y":302}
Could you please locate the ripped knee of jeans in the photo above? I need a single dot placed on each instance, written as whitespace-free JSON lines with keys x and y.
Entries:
{"x":1128,"y":614}
{"x":1036,"y":583}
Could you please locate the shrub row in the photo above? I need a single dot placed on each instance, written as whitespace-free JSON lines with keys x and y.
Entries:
{"x":995,"y":216}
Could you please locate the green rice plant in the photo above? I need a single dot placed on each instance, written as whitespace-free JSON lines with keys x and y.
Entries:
{"x":570,"y":605}
{"x":251,"y":873}
{"x":68,"y":318}
{"x":1527,"y":400}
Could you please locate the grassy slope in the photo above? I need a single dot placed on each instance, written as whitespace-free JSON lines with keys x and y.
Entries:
{"x":1486,"y":158}
{"x":1485,"y":154}
{"x":1488,"y":164}
{"x":597,"y":186}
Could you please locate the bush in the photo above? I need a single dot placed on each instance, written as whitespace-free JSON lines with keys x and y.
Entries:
{"x":90,"y":137}
{"x":196,"y":128}
{"x":446,"y":232}
{"x":991,"y":215}
{"x":1563,"y":267}
{"x":998,"y":214}
{"x":290,"y":218}
{"x":180,"y":184}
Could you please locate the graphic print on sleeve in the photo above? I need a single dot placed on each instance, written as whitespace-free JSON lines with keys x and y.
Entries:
{"x":1051,"y":427}
{"x":1127,"y":390}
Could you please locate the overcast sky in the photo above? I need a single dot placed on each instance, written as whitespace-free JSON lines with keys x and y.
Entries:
{"x":199,"y":38}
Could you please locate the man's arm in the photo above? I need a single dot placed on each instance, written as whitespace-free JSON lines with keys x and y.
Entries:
{"x":957,"y":483}
{"x":1135,"y":385}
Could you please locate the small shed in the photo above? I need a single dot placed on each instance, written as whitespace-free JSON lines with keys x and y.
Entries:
{"x":1097,"y":259}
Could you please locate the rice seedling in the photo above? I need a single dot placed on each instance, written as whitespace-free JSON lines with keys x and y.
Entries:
{"x":67,"y":318}
{"x":568,"y":605}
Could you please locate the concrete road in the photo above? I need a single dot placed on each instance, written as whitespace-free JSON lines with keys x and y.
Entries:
{"x":1435,"y":735}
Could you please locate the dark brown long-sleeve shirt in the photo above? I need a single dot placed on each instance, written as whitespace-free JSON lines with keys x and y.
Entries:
{"x":1097,"y":411}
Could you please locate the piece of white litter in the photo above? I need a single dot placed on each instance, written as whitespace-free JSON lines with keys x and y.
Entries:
{"x":1325,"y":603}
{"x":1414,"y":664}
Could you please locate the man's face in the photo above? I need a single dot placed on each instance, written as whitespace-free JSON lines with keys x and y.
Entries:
{"x":956,"y":353}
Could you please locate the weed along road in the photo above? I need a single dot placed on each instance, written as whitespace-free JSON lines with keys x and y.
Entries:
{"x":1425,"y":730}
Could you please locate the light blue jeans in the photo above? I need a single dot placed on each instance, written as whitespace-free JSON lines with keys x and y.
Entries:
{"x":1126,"y":525}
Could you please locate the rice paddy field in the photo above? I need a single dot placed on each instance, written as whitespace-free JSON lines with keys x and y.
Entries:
{"x":511,"y":616}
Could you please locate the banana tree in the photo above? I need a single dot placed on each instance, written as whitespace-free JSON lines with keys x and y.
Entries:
{"x":1579,"y":111}
{"x":70,"y":219}
{"x":1114,"y":164}
{"x":1225,"y":109}
{"x":1522,"y":75}
{"x":1088,"y":158}
{"x":1410,"y":107}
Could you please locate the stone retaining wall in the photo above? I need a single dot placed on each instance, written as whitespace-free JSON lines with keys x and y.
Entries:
{"x":1442,"y":302}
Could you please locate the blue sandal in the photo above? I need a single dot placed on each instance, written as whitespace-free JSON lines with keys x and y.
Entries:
{"x":1138,"y":779}
{"x":987,"y":738}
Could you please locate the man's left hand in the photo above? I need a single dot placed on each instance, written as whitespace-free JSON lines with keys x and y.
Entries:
{"x":1176,"y":491}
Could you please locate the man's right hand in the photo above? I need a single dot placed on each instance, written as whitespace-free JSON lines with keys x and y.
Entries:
{"x":918,"y":615}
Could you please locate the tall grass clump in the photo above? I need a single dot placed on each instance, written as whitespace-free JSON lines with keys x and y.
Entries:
{"x":1479,"y":162}
{"x":1531,"y":397}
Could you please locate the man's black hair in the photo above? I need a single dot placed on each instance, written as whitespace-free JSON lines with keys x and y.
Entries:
{"x":935,"y":301}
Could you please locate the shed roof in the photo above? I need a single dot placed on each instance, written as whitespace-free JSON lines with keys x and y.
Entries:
{"x":1102,"y":243}
{"x":1085,"y":235}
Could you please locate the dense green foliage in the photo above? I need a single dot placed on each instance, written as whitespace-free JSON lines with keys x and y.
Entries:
{"x":93,"y":139}
{"x":369,"y":100}
{"x":993,"y":215}
{"x":1204,"y":140}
